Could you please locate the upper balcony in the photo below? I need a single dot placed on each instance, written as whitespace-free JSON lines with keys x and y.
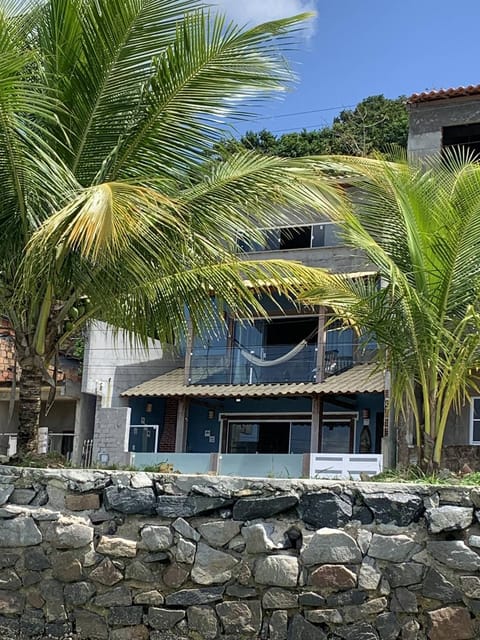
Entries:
{"x":273,"y":364}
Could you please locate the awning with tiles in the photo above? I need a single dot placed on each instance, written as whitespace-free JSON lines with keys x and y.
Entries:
{"x":362,"y":378}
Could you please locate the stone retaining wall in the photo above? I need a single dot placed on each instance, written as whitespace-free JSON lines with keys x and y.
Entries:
{"x":120,"y":556}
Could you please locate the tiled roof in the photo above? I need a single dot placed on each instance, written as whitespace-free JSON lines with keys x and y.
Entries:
{"x":362,"y":378}
{"x":440,"y":94}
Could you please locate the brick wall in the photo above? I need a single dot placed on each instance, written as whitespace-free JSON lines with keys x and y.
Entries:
{"x":167,"y":439}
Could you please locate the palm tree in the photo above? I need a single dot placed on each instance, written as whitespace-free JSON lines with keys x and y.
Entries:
{"x":107,"y":111}
{"x":420,"y":226}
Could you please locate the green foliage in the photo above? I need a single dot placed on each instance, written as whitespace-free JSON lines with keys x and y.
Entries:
{"x":108,"y":210}
{"x":417,"y":475}
{"x":375,"y":125}
{"x":420,"y":226}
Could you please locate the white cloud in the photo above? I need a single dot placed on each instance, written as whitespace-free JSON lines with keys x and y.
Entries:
{"x":257,"y":11}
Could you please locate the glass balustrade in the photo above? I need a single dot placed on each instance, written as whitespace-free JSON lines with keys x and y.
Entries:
{"x":254,"y":364}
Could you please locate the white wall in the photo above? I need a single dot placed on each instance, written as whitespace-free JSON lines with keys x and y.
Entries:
{"x":112,"y":363}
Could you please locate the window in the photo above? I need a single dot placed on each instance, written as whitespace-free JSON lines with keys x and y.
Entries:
{"x":465,"y":136}
{"x":475,"y":421}
{"x":296,"y":237}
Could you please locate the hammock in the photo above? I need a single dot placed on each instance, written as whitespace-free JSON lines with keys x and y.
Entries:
{"x":271,"y":363}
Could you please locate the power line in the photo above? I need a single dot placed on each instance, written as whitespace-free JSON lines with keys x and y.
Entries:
{"x":303,"y":113}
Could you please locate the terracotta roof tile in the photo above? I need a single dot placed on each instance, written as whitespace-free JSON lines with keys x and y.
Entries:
{"x":441,"y":94}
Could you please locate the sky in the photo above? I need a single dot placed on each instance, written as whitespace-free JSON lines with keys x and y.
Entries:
{"x":357,"y":48}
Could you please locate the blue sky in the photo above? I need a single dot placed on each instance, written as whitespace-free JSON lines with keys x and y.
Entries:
{"x":357,"y":48}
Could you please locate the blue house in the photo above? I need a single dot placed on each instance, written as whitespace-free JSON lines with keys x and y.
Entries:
{"x":261,"y":397}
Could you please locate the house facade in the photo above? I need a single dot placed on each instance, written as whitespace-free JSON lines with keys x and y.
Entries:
{"x":256,"y":398}
{"x":294,"y":395}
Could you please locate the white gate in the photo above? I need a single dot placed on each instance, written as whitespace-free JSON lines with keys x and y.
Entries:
{"x":344,"y":465}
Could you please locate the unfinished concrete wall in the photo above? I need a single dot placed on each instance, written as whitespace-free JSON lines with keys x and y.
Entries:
{"x":427,"y":120}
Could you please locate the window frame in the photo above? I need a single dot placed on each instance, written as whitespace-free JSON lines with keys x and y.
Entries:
{"x":473,"y":420}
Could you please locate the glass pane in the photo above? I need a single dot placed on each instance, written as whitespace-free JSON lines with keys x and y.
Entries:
{"x":243,"y":437}
{"x":476,"y":409}
{"x":300,"y":437}
{"x":476,"y":430}
{"x":318,"y":235}
{"x":336,"y":437}
{"x":332,"y":235}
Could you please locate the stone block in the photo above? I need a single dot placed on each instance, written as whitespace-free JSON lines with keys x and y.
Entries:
{"x":129,"y":500}
{"x":240,"y":618}
{"x":190,"y":597}
{"x":277,"y":571}
{"x":219,"y":532}
{"x":157,"y":538}
{"x":90,"y":625}
{"x":138,"y":632}
{"x":276,"y":598}
{"x":325,"y":509}
{"x":399,"y":507}
{"x":19,"y":532}
{"x":395,"y":548}
{"x":450,"y":623}
{"x":128,"y":616}
{"x":106,"y":573}
{"x":300,"y":629}
{"x":78,"y":593}
{"x":335,"y":577}
{"x":82,"y":502}
{"x":278,"y":625}
{"x":164,"y":619}
{"x":117,"y":547}
{"x":448,"y":518}
{"x":35,"y":559}
{"x":67,"y":567}
{"x":212,"y":566}
{"x":69,"y":534}
{"x":253,"y":508}
{"x":454,"y":554}
{"x":152,"y":597}
{"x":436,"y":586}
{"x":331,"y":546}
{"x":203,"y":621}
{"x":11,"y":602}
{"x":182,"y":527}
{"x":117,"y":597}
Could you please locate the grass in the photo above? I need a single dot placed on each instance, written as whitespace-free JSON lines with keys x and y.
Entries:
{"x":414,"y":474}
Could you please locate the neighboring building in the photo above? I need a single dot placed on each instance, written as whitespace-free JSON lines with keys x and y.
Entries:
{"x":444,"y":118}
{"x":438,"y":120}
{"x":69,"y":410}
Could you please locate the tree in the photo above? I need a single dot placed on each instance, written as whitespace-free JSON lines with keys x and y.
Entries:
{"x":421,"y":226}
{"x":375,"y":125}
{"x":107,"y":108}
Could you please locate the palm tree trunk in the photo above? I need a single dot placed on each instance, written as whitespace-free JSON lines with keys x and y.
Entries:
{"x":29,"y":409}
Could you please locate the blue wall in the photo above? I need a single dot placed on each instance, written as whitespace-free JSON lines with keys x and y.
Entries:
{"x":156,"y":416}
{"x":198,"y":421}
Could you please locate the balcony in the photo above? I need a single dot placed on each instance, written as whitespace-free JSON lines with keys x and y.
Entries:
{"x":269,"y":364}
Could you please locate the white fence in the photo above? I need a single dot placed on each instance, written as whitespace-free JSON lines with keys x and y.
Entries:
{"x":344,"y":465}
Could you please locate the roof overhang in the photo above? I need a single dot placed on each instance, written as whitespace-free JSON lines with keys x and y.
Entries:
{"x":362,"y":378}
